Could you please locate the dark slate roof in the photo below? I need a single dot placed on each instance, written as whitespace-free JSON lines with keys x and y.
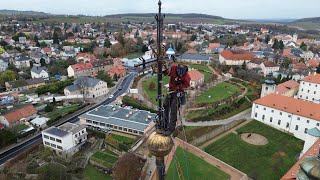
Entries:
{"x":73,"y":88}
{"x":68,"y":52}
{"x":138,"y":120}
{"x":34,"y":81}
{"x":22,"y":58}
{"x":88,"y":81}
{"x":195,"y":56}
{"x":37,"y":69}
{"x":5,"y":59}
{"x":102,"y":63}
{"x":56,"y":132}
{"x":296,"y":52}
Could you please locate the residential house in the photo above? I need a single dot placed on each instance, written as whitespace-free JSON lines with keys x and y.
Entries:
{"x":309,"y":89}
{"x":39,"y":72}
{"x":197,"y":78}
{"x":307,"y":55}
{"x":4,"y":63}
{"x":254,"y":64}
{"x":269,"y":67}
{"x":211,"y":47}
{"x":118,"y":71}
{"x":22,"y":62}
{"x":300,"y":66}
{"x":235,"y":57}
{"x":89,"y":69}
{"x":87,"y":86}
{"x":23,"y":85}
{"x":65,"y":140}
{"x":18,"y":115}
{"x":130,"y":121}
{"x":195,"y":58}
{"x":85,"y":57}
{"x":22,"y":40}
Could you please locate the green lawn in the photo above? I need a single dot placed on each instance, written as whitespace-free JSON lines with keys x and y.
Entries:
{"x":61,"y":112}
{"x":134,"y":55}
{"x":194,"y":167}
{"x":270,"y":161}
{"x":19,"y":128}
{"x":219,"y":92}
{"x":204,"y":70}
{"x":106,"y":158}
{"x":193,"y":132}
{"x":91,"y":173}
{"x":152,"y":93}
{"x":123,"y":139}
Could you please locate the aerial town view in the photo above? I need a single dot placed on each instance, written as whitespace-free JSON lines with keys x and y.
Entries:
{"x":159,"y":90}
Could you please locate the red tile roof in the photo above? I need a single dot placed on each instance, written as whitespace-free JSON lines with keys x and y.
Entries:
{"x":237,"y":55}
{"x":214,"y":45}
{"x":291,"y":105}
{"x":195,"y":75}
{"x":313,"y":151}
{"x":300,"y":65}
{"x":191,"y":51}
{"x":86,"y":55}
{"x":46,"y":50}
{"x":269,"y":64}
{"x":286,"y":86}
{"x":313,"y":78}
{"x":81,"y":67}
{"x":16,"y":115}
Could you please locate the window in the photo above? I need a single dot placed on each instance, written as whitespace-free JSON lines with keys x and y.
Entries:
{"x":120,"y":128}
{"x":300,"y":96}
{"x":287,"y":125}
{"x":94,"y":122}
{"x":82,"y":131}
{"x":134,"y":131}
{"x":58,"y":140}
{"x":305,"y":130}
{"x":314,"y":92}
{"x":45,"y":136}
{"x":47,"y":143}
{"x":308,"y":91}
{"x":76,"y":135}
{"x":271,"y":119}
{"x":264,"y":108}
{"x":279,"y":122}
{"x":263,"y":117}
{"x":88,"y":121}
{"x":303,"y":83}
{"x":141,"y":133}
{"x":280,"y":113}
{"x":308,"y":121}
{"x":297,"y":127}
{"x":298,"y":118}
{"x":302,"y":90}
{"x":102,"y":124}
{"x":53,"y":139}
{"x":309,"y":84}
{"x":130,"y":130}
{"x":307,"y":97}
{"x":256,"y":114}
{"x":53,"y":145}
{"x":272,"y":111}
{"x":125,"y":129}
{"x":116,"y":127}
{"x":317,"y":124}
{"x":257,"y":106}
{"x":59,"y":147}
{"x":289,"y":116}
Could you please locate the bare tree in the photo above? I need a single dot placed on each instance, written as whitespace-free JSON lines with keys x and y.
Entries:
{"x":128,"y":167}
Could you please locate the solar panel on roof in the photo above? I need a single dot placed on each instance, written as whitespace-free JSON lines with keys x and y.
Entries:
{"x":57,"y":132}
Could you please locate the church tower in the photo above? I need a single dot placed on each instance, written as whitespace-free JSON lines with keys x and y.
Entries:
{"x":268,"y":86}
{"x":295,"y":37}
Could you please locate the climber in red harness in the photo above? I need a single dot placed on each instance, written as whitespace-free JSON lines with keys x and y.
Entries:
{"x":179,"y":81}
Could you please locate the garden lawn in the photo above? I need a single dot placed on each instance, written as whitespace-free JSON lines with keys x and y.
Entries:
{"x":204,"y":70}
{"x":194,"y":167}
{"x":270,"y":161}
{"x":19,"y":128}
{"x":61,"y":112}
{"x":194,"y":132}
{"x":91,"y":173}
{"x":106,"y":158}
{"x":219,"y":92}
{"x":135,"y":55}
{"x":123,"y":139}
{"x":152,"y":93}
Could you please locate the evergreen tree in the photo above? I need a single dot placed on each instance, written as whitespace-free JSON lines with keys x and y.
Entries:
{"x":267,"y":39}
{"x":276,"y":44}
{"x":303,"y":46}
{"x":107,"y":43}
{"x":55,"y":38}
{"x":281,"y":45}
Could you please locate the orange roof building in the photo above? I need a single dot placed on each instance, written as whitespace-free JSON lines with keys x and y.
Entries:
{"x":313,"y":78}
{"x":197,"y":78}
{"x":288,"y":88}
{"x":15,"y":116}
{"x":235,"y":57}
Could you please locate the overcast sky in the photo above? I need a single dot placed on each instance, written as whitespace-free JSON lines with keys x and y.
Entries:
{"x":236,"y":9}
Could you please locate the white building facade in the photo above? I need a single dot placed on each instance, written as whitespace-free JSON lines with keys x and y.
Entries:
{"x":66,"y":139}
{"x":287,"y":114}
{"x":309,"y":89}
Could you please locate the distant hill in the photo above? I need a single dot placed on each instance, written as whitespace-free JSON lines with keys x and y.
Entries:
{"x":29,"y":13}
{"x":307,"y":23}
{"x":171,"y":18}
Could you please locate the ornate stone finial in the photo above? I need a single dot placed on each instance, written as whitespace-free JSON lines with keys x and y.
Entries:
{"x":159,"y":3}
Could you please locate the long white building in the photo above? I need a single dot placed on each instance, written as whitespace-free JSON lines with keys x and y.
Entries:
{"x":288,"y":114}
{"x":309,"y":89}
{"x":66,"y":139}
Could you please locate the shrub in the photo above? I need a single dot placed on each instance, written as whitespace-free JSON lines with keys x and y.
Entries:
{"x":48,"y":108}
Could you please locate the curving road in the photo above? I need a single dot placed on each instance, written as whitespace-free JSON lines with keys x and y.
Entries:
{"x":10,"y":153}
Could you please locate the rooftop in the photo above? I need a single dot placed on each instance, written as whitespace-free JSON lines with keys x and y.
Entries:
{"x":314,"y":78}
{"x":195,"y":75}
{"x":237,"y":55}
{"x":286,"y":86}
{"x":291,"y":105}
{"x":70,"y":127}
{"x":56,"y":132}
{"x":130,"y":118}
